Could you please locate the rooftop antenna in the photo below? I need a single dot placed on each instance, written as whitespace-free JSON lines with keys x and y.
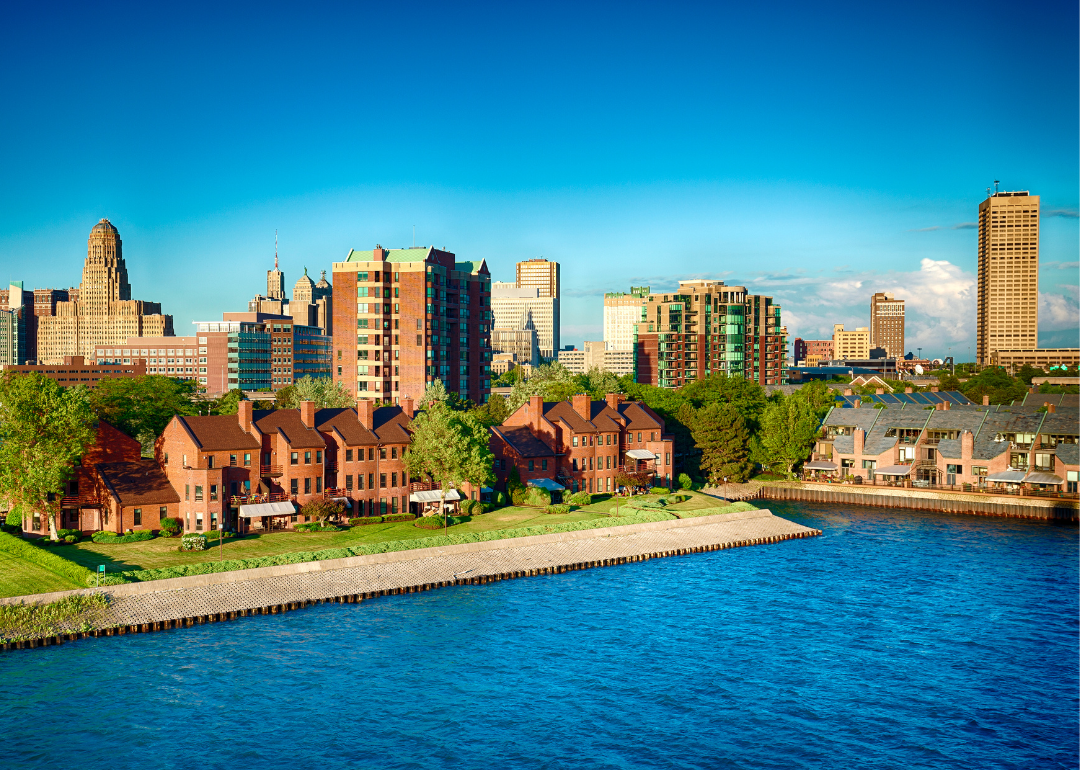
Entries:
{"x":275,"y":249}
{"x":996,"y":183}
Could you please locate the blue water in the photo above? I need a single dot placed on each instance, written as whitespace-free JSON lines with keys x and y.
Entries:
{"x":896,"y":640}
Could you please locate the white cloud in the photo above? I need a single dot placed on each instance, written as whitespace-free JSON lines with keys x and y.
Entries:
{"x":1059,"y":311}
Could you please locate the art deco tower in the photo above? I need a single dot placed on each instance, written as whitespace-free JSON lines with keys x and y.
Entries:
{"x":104,"y":277}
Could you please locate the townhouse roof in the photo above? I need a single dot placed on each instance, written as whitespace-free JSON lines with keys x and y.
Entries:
{"x":219,"y":431}
{"x":1017,"y":421}
{"x":853,"y":418}
{"x":347,"y":423}
{"x":957,"y":418}
{"x":605,"y":418}
{"x":288,"y":422}
{"x":954,"y":397}
{"x":564,"y":410}
{"x":1057,"y":399}
{"x":638,"y":416}
{"x":844,"y":445}
{"x":950,"y":448}
{"x":1064,"y":422}
{"x":1068,"y":453}
{"x":521,"y":439}
{"x":137,"y":483}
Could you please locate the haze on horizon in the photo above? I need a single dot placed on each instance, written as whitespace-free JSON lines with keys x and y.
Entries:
{"x":814,"y":154}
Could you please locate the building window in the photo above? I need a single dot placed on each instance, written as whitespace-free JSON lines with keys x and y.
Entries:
{"x":574,"y":441}
{"x":307,"y":458}
{"x":210,"y":461}
{"x":318,"y":484}
{"x":198,"y":521}
{"x":294,"y":486}
{"x":318,"y":455}
{"x":531,"y":465}
{"x":543,"y":465}
{"x":232,"y":459}
{"x":187,"y":491}
{"x":393,"y":453}
{"x":348,"y":483}
{"x":638,"y":436}
{"x":247,"y":458}
{"x":307,"y":485}
{"x":198,"y":493}
{"x":382,"y":453}
{"x":573,"y":463}
{"x":382,"y":481}
{"x":371,"y":480}
{"x":163,"y":512}
{"x":213,"y":492}
{"x":393,"y":479}
{"x":294,"y":458}
{"x":136,"y":517}
{"x":348,"y":455}
{"x":667,"y":458}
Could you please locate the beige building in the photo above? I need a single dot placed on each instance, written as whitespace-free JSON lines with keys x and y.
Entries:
{"x":519,"y":344}
{"x":851,"y":344}
{"x":596,"y":353}
{"x":623,"y":311}
{"x":1008,"y":307}
{"x":887,"y":324}
{"x":104,"y":312}
{"x":541,"y":274}
{"x":513,"y":307}
{"x":1044,"y":358}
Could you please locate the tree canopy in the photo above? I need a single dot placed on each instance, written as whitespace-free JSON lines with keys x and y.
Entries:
{"x":142,"y":406}
{"x":325,"y":392}
{"x":788,"y":431}
{"x":450,"y":448}
{"x":720,"y":433}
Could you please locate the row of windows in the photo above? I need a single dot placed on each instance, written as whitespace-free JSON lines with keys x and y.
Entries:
{"x":384,"y":481}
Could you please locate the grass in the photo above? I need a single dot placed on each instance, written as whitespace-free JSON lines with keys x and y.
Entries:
{"x":72,"y":613}
{"x":19,"y":577}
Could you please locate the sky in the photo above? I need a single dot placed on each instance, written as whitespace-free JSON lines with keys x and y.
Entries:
{"x":815,"y":153}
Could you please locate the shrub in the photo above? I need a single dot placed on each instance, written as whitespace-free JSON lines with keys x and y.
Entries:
{"x":685,"y":482}
{"x":14,"y":518}
{"x":436,"y":522}
{"x":16,"y":546}
{"x":193,"y":542}
{"x":498,"y":499}
{"x":471,"y":507}
{"x":69,"y":535}
{"x":580,"y":498}
{"x":316,"y":526}
{"x":169,"y":527}
{"x":517,"y":496}
{"x":113,"y":538}
{"x":659,"y":491}
{"x":399,"y":517}
{"x":538,"y":497}
{"x":558,"y":508}
{"x":71,"y":538}
{"x":360,"y":522}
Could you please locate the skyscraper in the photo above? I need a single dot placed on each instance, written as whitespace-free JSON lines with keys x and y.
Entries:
{"x":275,"y":279}
{"x":104,"y":312}
{"x":887,"y":324}
{"x":513,"y":307}
{"x":1008,"y":307}
{"x":541,"y":273}
{"x":623,"y":311}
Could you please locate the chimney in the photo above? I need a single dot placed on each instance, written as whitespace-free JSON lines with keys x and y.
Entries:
{"x":1050,"y":408}
{"x":1033,"y":390}
{"x":613,"y":400}
{"x":858,"y":403}
{"x":859,"y":437}
{"x":583,"y":405}
{"x":243,"y":413}
{"x":967,"y":445}
{"x":536,"y":412}
{"x":849,"y":392}
{"x":407,"y":407}
{"x":909,"y":390}
{"x":986,"y":400}
{"x":945,"y":406}
{"x":365,"y":412}
{"x":937,"y":407}
{"x":307,"y":413}
{"x":934,"y":389}
{"x":880,"y":391}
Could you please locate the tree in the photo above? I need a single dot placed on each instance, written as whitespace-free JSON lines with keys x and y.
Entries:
{"x":320,"y":509}
{"x":494,"y":412}
{"x":44,"y":429}
{"x":229,"y":403}
{"x":597,"y":382}
{"x":286,"y":398}
{"x":720,"y":433}
{"x":450,"y":448}
{"x":142,"y":406}
{"x":553,"y":382}
{"x":325,"y":392}
{"x":788,"y":431}
{"x":435,"y":392}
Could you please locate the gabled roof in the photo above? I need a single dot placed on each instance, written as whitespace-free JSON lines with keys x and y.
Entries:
{"x":1068,"y":453}
{"x":219,"y":432}
{"x":391,"y":425}
{"x":604,"y":418}
{"x":520,"y":438}
{"x":1057,"y":399}
{"x":564,"y":410}
{"x":296,"y":433}
{"x":638,"y":416}
{"x":853,"y":418}
{"x":137,"y":483}
{"x":347,"y":424}
{"x":1063,"y":422}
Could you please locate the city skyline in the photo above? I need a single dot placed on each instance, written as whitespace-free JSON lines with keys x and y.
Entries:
{"x":818,"y":190}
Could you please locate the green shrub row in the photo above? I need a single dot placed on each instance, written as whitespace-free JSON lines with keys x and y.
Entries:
{"x":112,"y":538}
{"x":436,"y":522}
{"x":316,"y":526}
{"x":559,"y":508}
{"x":364,"y":520}
{"x":367,"y":549}
{"x":580,"y":498}
{"x":399,"y":517}
{"x":22,"y":549}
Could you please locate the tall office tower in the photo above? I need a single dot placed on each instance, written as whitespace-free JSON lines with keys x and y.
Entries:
{"x":515,"y":308}
{"x":275,"y":279}
{"x":708,"y":327}
{"x":404,"y":318}
{"x":887,"y":324}
{"x":852,"y":343}
{"x":103,"y":312}
{"x":1008,"y":309}
{"x":623,"y":311}
{"x":312,"y":303}
{"x":539,"y":273}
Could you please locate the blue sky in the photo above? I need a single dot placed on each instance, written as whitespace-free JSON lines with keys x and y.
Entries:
{"x":815,"y":153}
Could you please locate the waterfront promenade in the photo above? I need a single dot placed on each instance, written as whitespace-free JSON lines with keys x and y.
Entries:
{"x":155,"y":605}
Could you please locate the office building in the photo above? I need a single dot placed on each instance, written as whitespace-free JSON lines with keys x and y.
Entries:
{"x":103,"y":312}
{"x":75,"y":370}
{"x":404,"y":318}
{"x":541,"y":274}
{"x":707,"y":327}
{"x":514,"y":307}
{"x":518,"y":346}
{"x":887,"y":324}
{"x":623,"y":311}
{"x":851,"y":343}
{"x":811,"y":352}
{"x":595,"y":353}
{"x":275,"y":279}
{"x":16,"y":312}
{"x":175,"y":357}
{"x":1008,"y":300}
{"x":312,"y":303}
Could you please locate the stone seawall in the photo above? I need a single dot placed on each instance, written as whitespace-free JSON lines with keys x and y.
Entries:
{"x":179,"y":602}
{"x":925,"y":500}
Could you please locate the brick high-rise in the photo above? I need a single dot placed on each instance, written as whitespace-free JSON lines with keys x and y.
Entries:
{"x":403,"y":318}
{"x":887,"y":324}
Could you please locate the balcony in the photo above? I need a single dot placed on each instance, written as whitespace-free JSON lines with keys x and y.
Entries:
{"x":253,"y":499}
{"x":271,"y":471}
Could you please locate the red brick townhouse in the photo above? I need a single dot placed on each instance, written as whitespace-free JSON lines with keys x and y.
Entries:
{"x":582,"y":444}
{"x":113,"y":489}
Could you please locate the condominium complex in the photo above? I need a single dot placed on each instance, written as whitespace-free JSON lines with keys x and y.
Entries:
{"x":854,"y":344}
{"x":1008,"y":306}
{"x":887,"y":324}
{"x":596,"y":353}
{"x":707,"y":327}
{"x":541,"y":274}
{"x":104,"y":312}
{"x":175,"y":357}
{"x":404,"y":318}
{"x":623,"y":311}
{"x":514,"y":307}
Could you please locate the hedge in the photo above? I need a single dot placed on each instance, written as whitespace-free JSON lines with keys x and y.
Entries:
{"x":435,"y":522}
{"x":558,"y":508}
{"x":399,"y":517}
{"x":368,"y":549}
{"x":20,"y":548}
{"x":364,"y":520}
{"x":537,"y":496}
{"x":580,"y":498}
{"x":113,"y":538}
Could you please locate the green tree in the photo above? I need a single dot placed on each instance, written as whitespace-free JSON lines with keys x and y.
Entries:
{"x":286,"y":398}
{"x":720,"y":433}
{"x":321,"y":509}
{"x":494,"y":412}
{"x":435,"y":392}
{"x":553,"y":382}
{"x":788,"y":431}
{"x":43,"y":429}
{"x":450,"y":448}
{"x":325,"y":392}
{"x":142,"y":406}
{"x":229,"y":403}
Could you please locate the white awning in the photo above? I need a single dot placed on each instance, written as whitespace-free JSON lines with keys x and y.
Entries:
{"x":433,"y":496}
{"x":1007,"y":477}
{"x":1038,"y":477}
{"x":819,"y":465}
{"x":548,"y":484}
{"x":344,"y":500}
{"x":893,"y":470}
{"x":640,"y":454}
{"x":266,"y":509}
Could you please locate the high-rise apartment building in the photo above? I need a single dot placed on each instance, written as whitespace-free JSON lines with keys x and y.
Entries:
{"x":623,"y":311}
{"x":1008,"y":306}
{"x":887,"y":324}
{"x":854,"y":344}
{"x":404,"y":318}
{"x":541,"y":274}
{"x":812,"y":352}
{"x":103,"y":312}
{"x":513,"y":307}
{"x":16,"y":312}
{"x":707,"y":327}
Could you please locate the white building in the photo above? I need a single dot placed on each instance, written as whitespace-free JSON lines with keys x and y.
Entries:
{"x":514,"y":308}
{"x":595,"y":353}
{"x":622,"y":312}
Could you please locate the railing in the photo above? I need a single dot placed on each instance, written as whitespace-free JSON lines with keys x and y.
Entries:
{"x":253,"y":499}
{"x":330,"y":492}
{"x":966,"y":488}
{"x":331,"y":467}
{"x":271,"y":470}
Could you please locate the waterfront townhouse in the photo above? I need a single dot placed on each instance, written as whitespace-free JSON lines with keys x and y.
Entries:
{"x":580,"y":444}
{"x":293,"y":450}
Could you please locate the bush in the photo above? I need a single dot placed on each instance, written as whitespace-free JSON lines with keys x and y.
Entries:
{"x":471,"y":508}
{"x":659,"y":491}
{"x":113,"y":538}
{"x":436,"y":522}
{"x":364,"y":520}
{"x":315,"y":526}
{"x":538,"y":497}
{"x":14,"y":518}
{"x":580,"y":498}
{"x":215,"y":534}
{"x":498,"y":499}
{"x":399,"y":517}
{"x":193,"y":542}
{"x":20,"y":548}
{"x":558,"y":508}
{"x":71,"y":538}
{"x":685,"y":482}
{"x":170,"y":527}
{"x":69,"y":535}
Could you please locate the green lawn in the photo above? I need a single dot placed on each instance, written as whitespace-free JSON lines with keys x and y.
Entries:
{"x":19,"y":577}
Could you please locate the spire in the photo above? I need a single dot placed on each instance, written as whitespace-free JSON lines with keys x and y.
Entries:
{"x":275,"y":250}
